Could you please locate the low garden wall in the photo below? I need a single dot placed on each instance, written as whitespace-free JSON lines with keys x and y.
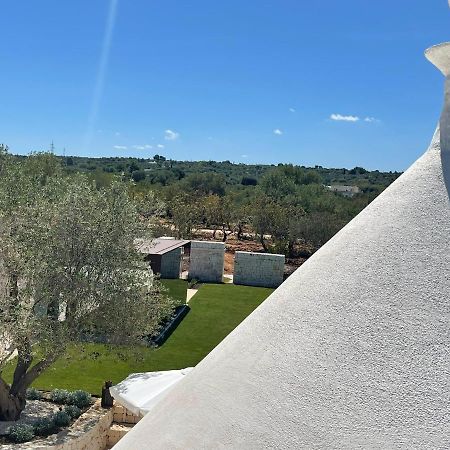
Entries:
{"x":89,"y":432}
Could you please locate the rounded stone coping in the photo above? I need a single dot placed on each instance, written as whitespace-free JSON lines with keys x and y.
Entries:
{"x":66,"y":439}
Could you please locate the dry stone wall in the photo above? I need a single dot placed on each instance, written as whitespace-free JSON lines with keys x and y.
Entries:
{"x":207,"y":261}
{"x":258,"y":269}
{"x":89,"y":432}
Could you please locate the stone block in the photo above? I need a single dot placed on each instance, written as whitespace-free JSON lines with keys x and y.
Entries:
{"x":258,"y":269}
{"x":207,"y":261}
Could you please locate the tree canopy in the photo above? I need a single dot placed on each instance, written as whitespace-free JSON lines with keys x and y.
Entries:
{"x":68,"y":269}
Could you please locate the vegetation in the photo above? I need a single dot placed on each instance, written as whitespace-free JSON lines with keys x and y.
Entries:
{"x":73,"y":411}
{"x":33,"y":394}
{"x":286,"y":208}
{"x":44,"y":426}
{"x":20,"y":433}
{"x":215,"y":311}
{"x":176,"y":289}
{"x":61,"y":419}
{"x":68,"y":269}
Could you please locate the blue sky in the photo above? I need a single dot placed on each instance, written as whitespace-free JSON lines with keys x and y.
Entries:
{"x":249,"y":81}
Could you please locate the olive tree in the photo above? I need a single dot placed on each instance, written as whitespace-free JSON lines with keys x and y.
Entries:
{"x":68,"y":270}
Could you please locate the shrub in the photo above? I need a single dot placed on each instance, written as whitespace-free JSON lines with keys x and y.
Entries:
{"x":61,"y":419}
{"x":73,"y":411}
{"x":249,"y":181}
{"x":20,"y":432}
{"x":45,"y":426}
{"x":60,"y":396}
{"x":192,"y":283}
{"x":33,"y":394}
{"x":138,"y":175}
{"x":82,"y":399}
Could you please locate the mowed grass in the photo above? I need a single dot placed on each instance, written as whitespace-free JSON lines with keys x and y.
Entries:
{"x":215,"y":311}
{"x":177,"y":289}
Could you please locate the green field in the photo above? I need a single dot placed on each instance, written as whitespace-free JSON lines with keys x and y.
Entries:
{"x":216,"y":311}
{"x":177,"y":289}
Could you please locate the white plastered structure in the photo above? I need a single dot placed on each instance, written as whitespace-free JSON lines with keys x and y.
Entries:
{"x":352,"y":351}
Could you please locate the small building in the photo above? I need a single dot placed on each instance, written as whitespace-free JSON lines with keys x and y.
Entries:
{"x":165,"y":255}
{"x":346,"y":191}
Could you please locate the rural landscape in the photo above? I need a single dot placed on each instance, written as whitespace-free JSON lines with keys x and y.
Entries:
{"x":66,"y":286}
{"x":223,"y":225}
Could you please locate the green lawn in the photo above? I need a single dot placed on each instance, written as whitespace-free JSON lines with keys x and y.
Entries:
{"x":216,"y":311}
{"x":177,"y":289}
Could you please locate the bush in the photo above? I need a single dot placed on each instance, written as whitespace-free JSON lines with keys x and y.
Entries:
{"x":73,"y":411}
{"x":60,"y":396}
{"x":138,"y":175}
{"x":20,"y":433}
{"x":249,"y":181}
{"x":192,"y":283}
{"x":33,"y":394}
{"x":82,"y":399}
{"x":45,"y":426}
{"x":61,"y":419}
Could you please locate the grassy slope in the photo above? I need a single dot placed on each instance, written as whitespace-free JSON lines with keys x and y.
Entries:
{"x":216,"y":311}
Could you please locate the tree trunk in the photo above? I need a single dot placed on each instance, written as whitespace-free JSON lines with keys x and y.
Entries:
{"x":224,"y":231}
{"x":11,"y":406}
{"x":239,"y":231}
{"x":263,"y":242}
{"x":13,"y":398}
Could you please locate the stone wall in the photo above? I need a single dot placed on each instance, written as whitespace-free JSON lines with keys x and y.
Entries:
{"x":89,"y":432}
{"x":96,"y":429}
{"x":171,"y":264}
{"x":258,"y":269}
{"x":207,"y":261}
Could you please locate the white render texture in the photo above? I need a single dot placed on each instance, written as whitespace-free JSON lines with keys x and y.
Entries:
{"x":258,"y":269}
{"x":439,"y":55}
{"x":207,"y":261}
{"x":352,"y":351}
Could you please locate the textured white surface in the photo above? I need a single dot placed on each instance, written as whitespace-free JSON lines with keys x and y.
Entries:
{"x":439,"y":55}
{"x":140,"y":392}
{"x":352,"y":351}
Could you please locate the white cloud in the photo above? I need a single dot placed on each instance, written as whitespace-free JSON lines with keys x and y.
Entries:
{"x":117,"y":133}
{"x":371,"y":120}
{"x":170,"y":135}
{"x":160,"y":146}
{"x":292,"y":110}
{"x":277,"y":131}
{"x":120,"y":147}
{"x":341,"y":118}
{"x":244,"y":156}
{"x":142,"y":147}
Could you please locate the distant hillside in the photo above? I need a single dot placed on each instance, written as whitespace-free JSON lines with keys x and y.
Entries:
{"x":159,"y":170}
